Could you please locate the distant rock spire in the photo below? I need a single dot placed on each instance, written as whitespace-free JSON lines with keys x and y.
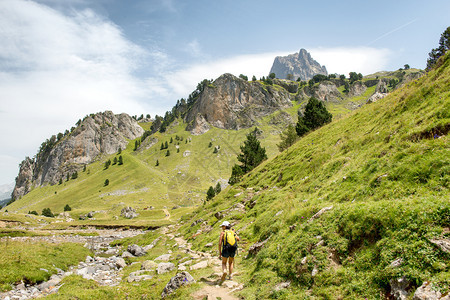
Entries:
{"x":297,"y":65}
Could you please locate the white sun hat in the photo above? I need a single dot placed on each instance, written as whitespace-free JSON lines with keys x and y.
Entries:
{"x":225,"y":223}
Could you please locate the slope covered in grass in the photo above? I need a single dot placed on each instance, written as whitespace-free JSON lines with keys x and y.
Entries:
{"x":380,"y":177}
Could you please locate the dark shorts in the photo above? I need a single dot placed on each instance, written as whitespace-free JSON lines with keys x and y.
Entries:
{"x":229,"y":252}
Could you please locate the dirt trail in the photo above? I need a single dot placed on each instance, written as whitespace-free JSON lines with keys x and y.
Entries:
{"x":167,"y":213}
{"x":212,"y":288}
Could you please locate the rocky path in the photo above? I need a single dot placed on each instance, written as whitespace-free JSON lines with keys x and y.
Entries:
{"x":106,"y":271}
{"x":213,"y":287}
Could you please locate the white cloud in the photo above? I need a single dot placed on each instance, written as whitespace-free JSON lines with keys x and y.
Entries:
{"x":55,"y":69}
{"x":365,"y":60}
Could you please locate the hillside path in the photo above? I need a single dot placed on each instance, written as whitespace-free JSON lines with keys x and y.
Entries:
{"x":167,"y":213}
{"x":212,"y":288}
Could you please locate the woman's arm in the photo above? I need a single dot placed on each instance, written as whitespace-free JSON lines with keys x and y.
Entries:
{"x":220,"y":244}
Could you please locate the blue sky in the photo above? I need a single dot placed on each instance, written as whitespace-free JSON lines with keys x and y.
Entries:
{"x":61,"y":60}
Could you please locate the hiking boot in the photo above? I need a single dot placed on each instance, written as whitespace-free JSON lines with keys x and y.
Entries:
{"x":224,"y":276}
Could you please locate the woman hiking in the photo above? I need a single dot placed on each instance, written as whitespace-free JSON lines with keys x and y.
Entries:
{"x":227,"y":249}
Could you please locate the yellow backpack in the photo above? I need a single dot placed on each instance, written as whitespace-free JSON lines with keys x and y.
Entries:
{"x":229,"y":239}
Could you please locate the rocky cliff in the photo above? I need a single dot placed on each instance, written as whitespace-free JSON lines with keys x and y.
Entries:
{"x":299,"y":65}
{"x":233,"y":103}
{"x":102,"y":133}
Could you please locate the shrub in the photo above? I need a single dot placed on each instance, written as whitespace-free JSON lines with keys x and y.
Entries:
{"x":67,"y":208}
{"x":47,"y":213}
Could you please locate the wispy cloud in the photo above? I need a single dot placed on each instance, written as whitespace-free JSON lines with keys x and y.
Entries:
{"x":391,"y":32}
{"x":55,"y":69}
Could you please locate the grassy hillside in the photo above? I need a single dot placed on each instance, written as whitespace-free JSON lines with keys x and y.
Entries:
{"x":181,"y":179}
{"x":382,"y":173}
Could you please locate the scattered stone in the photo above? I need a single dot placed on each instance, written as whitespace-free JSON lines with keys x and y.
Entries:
{"x":219,"y":215}
{"x":256,"y":247}
{"x":304,"y":260}
{"x":426,"y":292}
{"x":314,"y":271}
{"x":282,"y":286}
{"x":164,"y":268}
{"x":90,"y":214}
{"x":196,"y":222}
{"x":136,"y":250}
{"x":400,"y":288}
{"x":149,"y":265}
{"x":209,"y":245}
{"x":126,"y":254}
{"x":138,"y":276}
{"x":320,"y":212}
{"x":200,"y":265}
{"x":443,"y":244}
{"x":120,"y":263}
{"x":278,"y":213}
{"x":152,"y":244}
{"x":182,"y":268}
{"x":175,"y":282}
{"x":397,"y":263}
{"x":164,"y":257}
{"x":128,"y":212}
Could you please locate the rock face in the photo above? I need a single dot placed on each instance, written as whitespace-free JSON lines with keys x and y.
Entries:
{"x":299,"y":65}
{"x":325,"y":91}
{"x":102,"y":133}
{"x":233,"y":103}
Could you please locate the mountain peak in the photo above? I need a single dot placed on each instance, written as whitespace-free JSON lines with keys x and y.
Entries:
{"x":298,"y":65}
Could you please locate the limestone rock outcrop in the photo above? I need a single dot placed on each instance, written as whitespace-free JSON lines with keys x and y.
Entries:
{"x":101,"y":133}
{"x":324,"y":91}
{"x":233,"y":103}
{"x":299,"y":65}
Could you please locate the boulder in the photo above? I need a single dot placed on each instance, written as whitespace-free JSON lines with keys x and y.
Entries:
{"x":126,"y":254}
{"x":149,"y":265}
{"x":256,"y":247}
{"x":319,"y":213}
{"x":128,"y":212}
{"x":164,"y":268}
{"x":120,"y":263}
{"x":443,"y":244}
{"x":164,"y":257}
{"x":176,"y":282}
{"x":400,"y":288}
{"x":426,"y":292}
{"x":136,"y":250}
{"x":200,"y":265}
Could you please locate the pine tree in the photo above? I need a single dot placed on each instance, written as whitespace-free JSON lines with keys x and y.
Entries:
{"x":166,"y":145}
{"x":215,"y":150}
{"x":210,"y":193}
{"x":67,"y":208}
{"x":252,"y":154}
{"x":60,"y":181}
{"x":171,"y":140}
{"x":84,"y":168}
{"x":178,"y":150}
{"x":75,"y":175}
{"x":162,"y":146}
{"x":107,"y":164}
{"x":120,"y":151}
{"x":315,"y":115}
{"x":168,"y":153}
{"x":236,"y":174}
{"x":288,"y":138}
{"x":218,"y":188}
{"x":106,"y":182}
{"x":210,"y":145}
{"x":114,"y":161}
{"x":157,"y":163}
{"x":120,"y":162}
